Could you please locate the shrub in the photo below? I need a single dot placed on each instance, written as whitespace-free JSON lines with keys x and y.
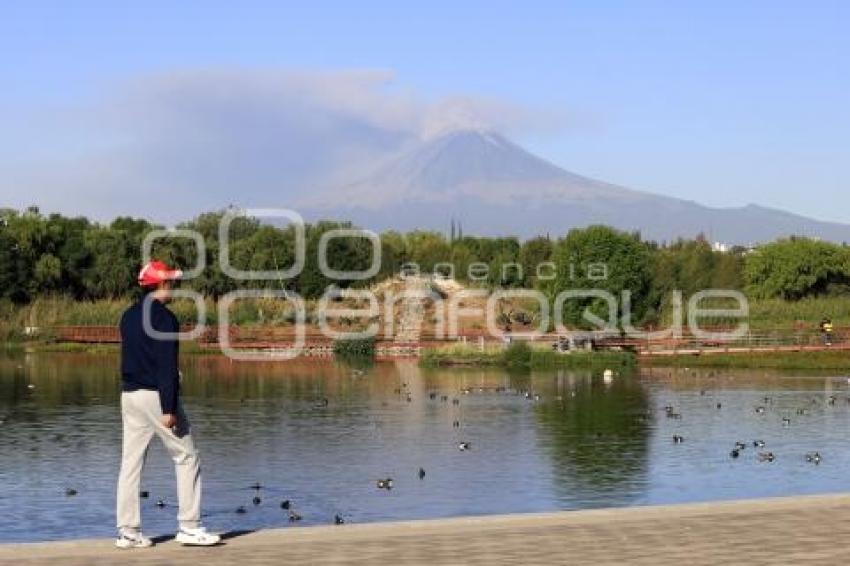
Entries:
{"x":516,"y":356}
{"x":355,"y":347}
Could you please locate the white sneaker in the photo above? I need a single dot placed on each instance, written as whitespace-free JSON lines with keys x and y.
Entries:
{"x":132,"y":539}
{"x":196,"y":537}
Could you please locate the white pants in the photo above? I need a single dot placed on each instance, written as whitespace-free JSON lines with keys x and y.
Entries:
{"x":141,"y":414}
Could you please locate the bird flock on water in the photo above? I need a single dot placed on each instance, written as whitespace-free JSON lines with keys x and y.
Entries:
{"x":739,"y":448}
{"x":761,"y":410}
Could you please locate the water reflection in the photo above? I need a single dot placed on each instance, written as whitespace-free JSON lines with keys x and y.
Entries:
{"x":582,"y":443}
{"x":597,"y":434}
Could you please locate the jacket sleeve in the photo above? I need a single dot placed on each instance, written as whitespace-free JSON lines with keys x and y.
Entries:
{"x":166,"y":355}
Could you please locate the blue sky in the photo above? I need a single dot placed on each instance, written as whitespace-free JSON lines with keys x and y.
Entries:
{"x":725,"y":103}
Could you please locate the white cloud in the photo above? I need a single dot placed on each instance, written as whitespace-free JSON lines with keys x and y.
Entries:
{"x":171,"y":145}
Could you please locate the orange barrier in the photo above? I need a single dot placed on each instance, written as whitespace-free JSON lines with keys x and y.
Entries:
{"x":257,"y":337}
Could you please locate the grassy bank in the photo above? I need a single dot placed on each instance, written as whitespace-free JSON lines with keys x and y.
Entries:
{"x":47,"y":312}
{"x":772,"y":314}
{"x":63,"y":311}
{"x":521,"y":356}
{"x":460,"y":355}
{"x":583,"y":360}
{"x":59,"y":310}
{"x":186,"y":347}
{"x":72,"y":347}
{"x":829,"y":360}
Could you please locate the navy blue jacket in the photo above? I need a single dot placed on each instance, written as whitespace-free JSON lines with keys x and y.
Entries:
{"x":150,"y":363}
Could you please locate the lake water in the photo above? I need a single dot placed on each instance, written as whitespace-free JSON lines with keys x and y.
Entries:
{"x":582,"y":444}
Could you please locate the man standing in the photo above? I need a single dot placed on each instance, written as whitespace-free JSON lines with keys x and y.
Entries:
{"x":150,"y":406}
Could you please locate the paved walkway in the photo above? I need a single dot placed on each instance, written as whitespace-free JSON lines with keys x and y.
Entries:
{"x":795,"y":530}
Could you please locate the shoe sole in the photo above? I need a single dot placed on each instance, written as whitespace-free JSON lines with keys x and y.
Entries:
{"x":132,"y":546}
{"x":189,"y":542}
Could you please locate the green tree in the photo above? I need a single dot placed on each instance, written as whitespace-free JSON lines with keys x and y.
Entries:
{"x":48,"y":273}
{"x":797,"y":267}
{"x":343,"y":254}
{"x":601,"y":258}
{"x":11,"y":286}
{"x":428,"y":249}
{"x":267,"y":249}
{"x":532,"y":254}
{"x":71,"y":250}
{"x":394,"y":253}
{"x":115,"y":263}
{"x":212,"y":281}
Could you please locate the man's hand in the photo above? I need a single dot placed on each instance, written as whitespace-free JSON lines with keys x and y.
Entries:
{"x":168,"y":421}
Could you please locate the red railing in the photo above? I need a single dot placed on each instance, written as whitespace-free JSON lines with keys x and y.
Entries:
{"x":271,"y":336}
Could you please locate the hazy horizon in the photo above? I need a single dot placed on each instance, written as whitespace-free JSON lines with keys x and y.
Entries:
{"x":168,"y":111}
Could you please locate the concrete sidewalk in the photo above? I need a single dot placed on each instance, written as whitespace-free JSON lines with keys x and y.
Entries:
{"x":795,"y":530}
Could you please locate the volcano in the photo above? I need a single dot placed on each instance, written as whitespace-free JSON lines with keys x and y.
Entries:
{"x":492,"y":186}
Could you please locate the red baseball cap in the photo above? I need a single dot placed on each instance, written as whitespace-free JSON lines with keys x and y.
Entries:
{"x":155,"y":272}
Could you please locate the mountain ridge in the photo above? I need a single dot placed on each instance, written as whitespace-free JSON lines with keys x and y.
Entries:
{"x":496,"y":187}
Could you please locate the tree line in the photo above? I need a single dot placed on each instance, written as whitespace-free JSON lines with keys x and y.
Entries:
{"x":86,"y":260}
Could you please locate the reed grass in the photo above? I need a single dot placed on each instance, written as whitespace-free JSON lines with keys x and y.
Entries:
{"x":819,"y":360}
